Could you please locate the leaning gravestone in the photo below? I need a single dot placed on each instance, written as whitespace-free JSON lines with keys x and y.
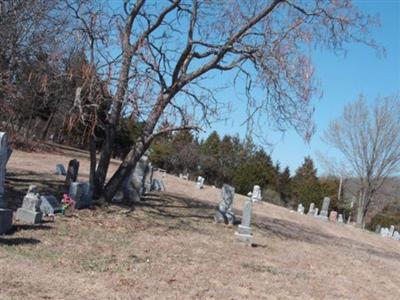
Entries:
{"x":324,"y":210}
{"x":30,"y":211}
{"x":224,"y":213}
{"x":5,"y":214}
{"x":49,"y":205}
{"x":243,"y":233}
{"x":256,"y":195}
{"x":60,"y":170}
{"x":81,"y":193}
{"x":72,"y":172}
{"x":311,"y":210}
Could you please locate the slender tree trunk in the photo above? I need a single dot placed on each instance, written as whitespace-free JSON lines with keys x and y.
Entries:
{"x":92,"y":152}
{"x":46,"y":128}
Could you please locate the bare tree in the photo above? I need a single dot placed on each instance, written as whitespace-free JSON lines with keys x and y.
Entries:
{"x":369,"y":139}
{"x":165,"y":56}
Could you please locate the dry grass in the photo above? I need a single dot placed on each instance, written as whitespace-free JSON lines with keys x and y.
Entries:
{"x":169,"y":248}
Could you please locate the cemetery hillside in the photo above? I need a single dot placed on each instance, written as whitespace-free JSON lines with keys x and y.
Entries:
{"x":169,"y":247}
{"x":189,"y":149}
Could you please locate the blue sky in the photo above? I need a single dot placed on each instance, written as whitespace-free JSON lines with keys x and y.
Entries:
{"x":342,"y":79}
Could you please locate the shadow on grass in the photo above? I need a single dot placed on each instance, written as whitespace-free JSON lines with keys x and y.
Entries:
{"x":22,"y":227}
{"x":18,"y":241}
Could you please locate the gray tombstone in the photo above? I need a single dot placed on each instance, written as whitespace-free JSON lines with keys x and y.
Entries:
{"x":5,"y":214}
{"x":30,"y":211}
{"x":224,"y":213}
{"x":49,"y":205}
{"x":378,"y":229}
{"x":157,"y":185}
{"x":244,"y":232}
{"x":384,"y":232}
{"x":60,"y":170}
{"x":311,"y":210}
{"x":396,"y":236}
{"x":324,"y":210}
{"x":81,"y":193}
{"x":72,"y":172}
{"x":256,"y":194}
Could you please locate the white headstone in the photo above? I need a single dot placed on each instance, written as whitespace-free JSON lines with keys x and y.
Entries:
{"x":256,"y":195}
{"x":243,"y":233}
{"x":300,"y":208}
{"x":396,"y":236}
{"x":391,"y":230}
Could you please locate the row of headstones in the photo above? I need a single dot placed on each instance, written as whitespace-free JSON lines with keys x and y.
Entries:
{"x":388,"y":232}
{"x":323,"y":215}
{"x":224,"y":213}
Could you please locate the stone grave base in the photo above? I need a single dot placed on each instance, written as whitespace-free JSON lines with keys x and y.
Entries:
{"x":5,"y":220}
{"x":244,"y":234}
{"x":28,"y":216}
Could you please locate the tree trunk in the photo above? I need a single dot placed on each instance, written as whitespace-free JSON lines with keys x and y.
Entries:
{"x":124,"y":170}
{"x":92,"y":152}
{"x":46,"y":128}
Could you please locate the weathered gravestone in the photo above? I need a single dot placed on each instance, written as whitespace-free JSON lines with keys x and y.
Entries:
{"x":396,"y":236}
{"x":30,"y":211}
{"x":311,"y":210}
{"x":81,"y":193}
{"x":244,"y":233}
{"x":316,"y":212}
{"x":72,"y":172}
{"x":333,"y":216}
{"x":378,"y":229}
{"x":224,"y":213}
{"x":391,"y":230}
{"x":384,"y":232}
{"x":340,"y":219}
{"x":49,"y":205}
{"x":5,"y":214}
{"x":157,"y":185}
{"x":60,"y":170}
{"x":324,"y":210}
{"x":256,"y":195}
{"x":300,"y":209}
{"x":200,"y":182}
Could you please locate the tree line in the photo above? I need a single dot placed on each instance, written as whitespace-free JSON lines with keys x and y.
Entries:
{"x":242,"y":164}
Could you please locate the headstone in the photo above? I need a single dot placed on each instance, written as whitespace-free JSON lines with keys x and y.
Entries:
{"x":324,"y":210}
{"x":396,"y":236}
{"x":243,"y":233}
{"x":300,"y":209}
{"x":72,"y":172}
{"x":340,"y":219}
{"x":5,"y":214}
{"x":148,"y":177}
{"x":378,"y":229}
{"x":384,"y":232}
{"x":81,"y":193}
{"x":224,"y":213}
{"x":60,"y":170}
{"x":311,"y":210}
{"x":391,"y":230}
{"x":157,"y":185}
{"x":333,"y":216}
{"x":49,"y":205}
{"x":180,"y":175}
{"x":316,"y":212}
{"x":30,"y":211}
{"x":256,"y":195}
{"x":200,"y":182}
{"x":139,"y":174}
